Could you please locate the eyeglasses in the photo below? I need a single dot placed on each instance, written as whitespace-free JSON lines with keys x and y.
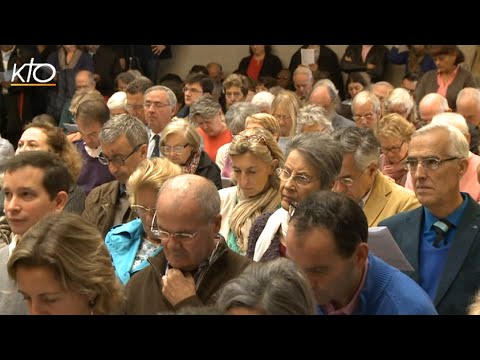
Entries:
{"x":252,"y":139}
{"x":347,"y":181}
{"x":166,"y":150}
{"x":156,"y":104}
{"x":393,"y":149}
{"x":142,"y":210}
{"x":368,"y":117}
{"x":136,"y":107}
{"x":192,"y":90}
{"x":430,"y":163}
{"x":236,"y":95}
{"x":282,"y":117}
{"x":285,"y":175}
{"x":116,"y":160}
{"x":165,"y":235}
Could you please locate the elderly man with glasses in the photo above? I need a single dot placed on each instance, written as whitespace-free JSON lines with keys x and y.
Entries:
{"x":195,"y":262}
{"x":123,"y":140}
{"x":378,"y":195}
{"x":441,"y":239}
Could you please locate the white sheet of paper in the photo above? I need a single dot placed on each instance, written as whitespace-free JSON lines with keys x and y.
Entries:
{"x":308,"y":56}
{"x":382,"y":245}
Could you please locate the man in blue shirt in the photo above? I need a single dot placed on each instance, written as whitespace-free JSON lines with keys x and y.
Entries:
{"x":441,"y":239}
{"x":327,"y":238}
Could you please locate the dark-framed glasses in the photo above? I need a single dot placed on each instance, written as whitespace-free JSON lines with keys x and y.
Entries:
{"x":166,"y":150}
{"x":286,"y":175}
{"x":393,"y":149}
{"x":165,"y":235}
{"x":117,"y":159}
{"x":430,"y":163}
{"x":142,"y":210}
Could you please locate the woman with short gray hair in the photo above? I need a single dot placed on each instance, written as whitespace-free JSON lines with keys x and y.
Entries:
{"x":313,"y":163}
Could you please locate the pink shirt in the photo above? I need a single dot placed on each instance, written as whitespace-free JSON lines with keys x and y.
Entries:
{"x":350,"y":308}
{"x":212,"y":143}
{"x":468,"y":182}
{"x":443,"y":87}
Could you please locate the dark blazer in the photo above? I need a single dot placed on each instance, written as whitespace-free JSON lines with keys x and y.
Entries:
{"x":378,"y":55}
{"x":209,"y":170}
{"x":327,"y":62}
{"x":271,"y":66}
{"x":460,"y":278}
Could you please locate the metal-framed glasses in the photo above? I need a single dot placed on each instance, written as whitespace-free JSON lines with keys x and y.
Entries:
{"x":286,"y":175}
{"x":165,"y":235}
{"x":348,"y":181}
{"x":166,"y":150}
{"x":430,"y":163}
{"x":368,"y":117}
{"x":142,"y":210}
{"x":156,"y":104}
{"x":116,"y":160}
{"x":393,"y":149}
{"x":192,"y":90}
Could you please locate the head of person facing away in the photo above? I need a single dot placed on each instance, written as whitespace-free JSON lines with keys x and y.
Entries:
{"x":143,"y":186}
{"x":123,"y":140}
{"x":62,"y":267}
{"x":188,"y":233}
{"x":437,"y":160}
{"x":360,"y":161}
{"x":327,"y":239}
{"x":277,"y":287}
{"x":35,"y":184}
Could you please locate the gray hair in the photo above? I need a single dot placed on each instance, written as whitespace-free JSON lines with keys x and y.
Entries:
{"x":453,"y":119}
{"x":276,"y":287}
{"x":302,"y":69}
{"x":469,"y":92}
{"x":172,"y":99}
{"x":457,"y":143}
{"x":361,"y":142}
{"x":127,"y":125}
{"x":365,"y":97}
{"x":322,"y":152}
{"x":439,"y":99}
{"x":188,"y":187}
{"x":312,"y":114}
{"x":205,"y":106}
{"x":138,"y":85}
{"x":401,"y":97}
{"x":236,"y":115}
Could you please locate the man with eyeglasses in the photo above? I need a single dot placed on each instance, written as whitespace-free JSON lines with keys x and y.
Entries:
{"x":135,"y":91}
{"x":378,"y":195}
{"x":195,"y":262}
{"x":441,"y":239}
{"x":123,"y":140}
{"x":195,"y":86}
{"x":366,"y":109}
{"x":159,"y":103}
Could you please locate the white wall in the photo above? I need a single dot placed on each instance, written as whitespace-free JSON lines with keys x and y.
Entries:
{"x":185,"y":56}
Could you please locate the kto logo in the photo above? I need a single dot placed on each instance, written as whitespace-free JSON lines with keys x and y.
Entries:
{"x":32,"y":72}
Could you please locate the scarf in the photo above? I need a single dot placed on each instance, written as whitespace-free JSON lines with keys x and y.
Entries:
{"x":396,"y":171}
{"x":278,"y":220}
{"x":191,"y":165}
{"x":247,"y":210}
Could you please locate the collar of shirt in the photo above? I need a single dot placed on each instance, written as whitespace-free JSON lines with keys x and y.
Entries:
{"x":13,"y":244}
{"x":6,"y":54}
{"x":454,"y":217}
{"x":365,"y":198}
{"x":351,"y":307}
{"x":93,"y":152}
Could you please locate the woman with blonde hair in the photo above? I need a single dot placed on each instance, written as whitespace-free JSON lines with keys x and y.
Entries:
{"x":132,"y":243}
{"x":255,"y":156}
{"x":285,"y":108}
{"x":62,"y":267}
{"x":264,"y":121}
{"x":393,"y":133}
{"x":180,"y":143}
